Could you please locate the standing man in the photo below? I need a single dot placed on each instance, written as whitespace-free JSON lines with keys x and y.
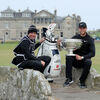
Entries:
{"x":24,"y":53}
{"x":82,"y":58}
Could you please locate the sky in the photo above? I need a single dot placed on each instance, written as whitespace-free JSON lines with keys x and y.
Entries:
{"x":89,"y":10}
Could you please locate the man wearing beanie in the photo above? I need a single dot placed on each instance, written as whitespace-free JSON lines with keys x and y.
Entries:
{"x":83,"y":56}
{"x":24,"y":53}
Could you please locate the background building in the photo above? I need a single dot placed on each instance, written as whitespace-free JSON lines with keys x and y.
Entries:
{"x":14,"y":25}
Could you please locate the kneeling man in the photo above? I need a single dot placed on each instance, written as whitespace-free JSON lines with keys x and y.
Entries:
{"x":24,"y":53}
{"x":82,"y":58}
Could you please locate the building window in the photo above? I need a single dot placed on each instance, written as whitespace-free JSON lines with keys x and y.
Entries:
{"x":41,"y":20}
{"x":49,"y":20}
{"x":58,"y":26}
{"x":38,"y":20}
{"x":7,"y":15}
{"x":6,"y":33}
{"x":25,"y":33}
{"x":46,"y":20}
{"x":61,"y":34}
{"x":26,"y":15}
{"x":34,"y":20}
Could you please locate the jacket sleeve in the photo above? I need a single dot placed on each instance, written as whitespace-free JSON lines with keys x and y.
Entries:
{"x":25,"y":48}
{"x":74,"y":37}
{"x":92,"y":51}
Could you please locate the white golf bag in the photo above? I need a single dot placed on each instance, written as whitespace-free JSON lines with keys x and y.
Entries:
{"x":49,"y":48}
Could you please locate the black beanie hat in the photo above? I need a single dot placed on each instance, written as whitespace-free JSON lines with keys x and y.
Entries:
{"x":32,"y":29}
{"x":33,"y":26}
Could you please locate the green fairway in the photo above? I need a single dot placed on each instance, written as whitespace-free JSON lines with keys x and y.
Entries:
{"x":6,"y":55}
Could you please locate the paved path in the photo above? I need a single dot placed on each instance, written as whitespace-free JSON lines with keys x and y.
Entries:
{"x":72,"y":92}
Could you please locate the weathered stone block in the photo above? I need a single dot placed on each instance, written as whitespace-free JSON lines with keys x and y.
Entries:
{"x":93,"y":79}
{"x":23,"y":85}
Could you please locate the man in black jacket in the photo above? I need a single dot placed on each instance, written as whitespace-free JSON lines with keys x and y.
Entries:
{"x":82,"y":58}
{"x":24,"y":53}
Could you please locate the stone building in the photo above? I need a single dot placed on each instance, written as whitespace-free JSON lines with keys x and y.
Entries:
{"x":14,"y":25}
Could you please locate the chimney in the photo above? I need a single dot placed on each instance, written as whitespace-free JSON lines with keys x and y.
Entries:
{"x":19,"y":10}
{"x":74,"y":15}
{"x":79,"y":18}
{"x":35,"y":11}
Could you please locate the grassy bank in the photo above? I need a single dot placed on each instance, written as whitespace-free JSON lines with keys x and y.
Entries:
{"x":6,"y":55}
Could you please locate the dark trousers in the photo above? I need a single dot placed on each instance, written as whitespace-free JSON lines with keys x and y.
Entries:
{"x":72,"y":62}
{"x":36,"y":64}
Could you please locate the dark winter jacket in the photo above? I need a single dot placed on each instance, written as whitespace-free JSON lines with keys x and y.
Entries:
{"x":25,"y":50}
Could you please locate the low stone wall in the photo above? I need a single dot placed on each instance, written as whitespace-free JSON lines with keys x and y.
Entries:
{"x":93,"y":80}
{"x":23,"y":85}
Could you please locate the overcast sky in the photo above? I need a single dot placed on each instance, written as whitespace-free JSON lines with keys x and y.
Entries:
{"x":89,"y":10}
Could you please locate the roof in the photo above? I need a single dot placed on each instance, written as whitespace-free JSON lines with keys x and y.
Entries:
{"x":58,"y":19}
{"x":8,"y":10}
{"x":68,"y":17}
{"x":27,"y":11}
{"x":45,"y":12}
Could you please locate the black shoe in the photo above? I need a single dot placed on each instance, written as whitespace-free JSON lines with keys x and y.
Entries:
{"x":82,"y":85}
{"x":68,"y":82}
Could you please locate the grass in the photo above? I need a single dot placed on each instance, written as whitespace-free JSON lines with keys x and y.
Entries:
{"x":6,"y":55}
{"x":96,"y":59}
